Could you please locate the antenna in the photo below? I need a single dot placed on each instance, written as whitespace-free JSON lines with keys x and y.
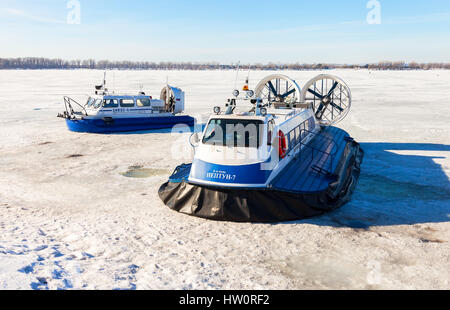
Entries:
{"x":167,"y":84}
{"x":167,"y":90}
{"x":114,"y":82}
{"x":237,"y":74}
{"x":246,"y":86}
{"x":105,"y":90}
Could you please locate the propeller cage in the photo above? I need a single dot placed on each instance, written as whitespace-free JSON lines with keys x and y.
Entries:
{"x":328,"y":95}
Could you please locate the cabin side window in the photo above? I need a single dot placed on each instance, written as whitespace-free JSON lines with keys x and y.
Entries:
{"x":270,"y":127}
{"x":297,"y":134}
{"x":292,"y":139}
{"x":126,"y":103}
{"x":311,"y":124}
{"x":90,"y":102}
{"x":110,"y":103}
{"x":303,"y":130}
{"x":97,"y":103}
{"x":143,"y":102}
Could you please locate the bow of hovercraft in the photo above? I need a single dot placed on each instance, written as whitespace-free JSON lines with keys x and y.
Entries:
{"x":232,"y":153}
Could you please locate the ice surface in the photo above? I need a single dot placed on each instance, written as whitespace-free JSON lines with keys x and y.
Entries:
{"x":71,"y":219}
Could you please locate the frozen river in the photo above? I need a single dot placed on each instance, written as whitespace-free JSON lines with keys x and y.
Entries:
{"x":71,"y":218}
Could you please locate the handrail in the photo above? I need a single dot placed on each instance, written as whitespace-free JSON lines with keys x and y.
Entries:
{"x":328,"y":154}
{"x":318,"y":133}
{"x":67,"y":103}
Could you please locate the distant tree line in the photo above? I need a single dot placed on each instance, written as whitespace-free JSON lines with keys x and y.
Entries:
{"x":45,"y":63}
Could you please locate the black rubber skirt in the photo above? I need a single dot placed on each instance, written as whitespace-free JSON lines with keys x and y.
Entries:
{"x":266,"y":205}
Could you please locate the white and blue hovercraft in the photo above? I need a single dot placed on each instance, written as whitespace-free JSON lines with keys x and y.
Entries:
{"x":271,"y":155}
{"x":106,"y":112}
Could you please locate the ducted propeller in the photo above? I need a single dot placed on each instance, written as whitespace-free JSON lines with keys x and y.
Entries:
{"x":330,"y":97}
{"x":278,"y":90}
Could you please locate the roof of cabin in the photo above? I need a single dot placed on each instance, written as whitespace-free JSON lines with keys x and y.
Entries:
{"x":120,"y":97}
{"x":239,"y":116}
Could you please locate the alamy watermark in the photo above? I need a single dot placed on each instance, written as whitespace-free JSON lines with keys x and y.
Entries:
{"x":374,"y":15}
{"x":74,"y":14}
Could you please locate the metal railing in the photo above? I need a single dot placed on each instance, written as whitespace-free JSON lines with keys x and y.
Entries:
{"x":69,"y":108}
{"x":329,"y":155}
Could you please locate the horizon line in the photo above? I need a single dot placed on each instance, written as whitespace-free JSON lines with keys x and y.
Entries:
{"x":213,"y":62}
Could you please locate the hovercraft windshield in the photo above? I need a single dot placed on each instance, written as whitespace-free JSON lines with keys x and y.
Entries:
{"x":234,"y":133}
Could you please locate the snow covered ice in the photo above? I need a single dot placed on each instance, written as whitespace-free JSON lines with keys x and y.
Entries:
{"x":82,"y":211}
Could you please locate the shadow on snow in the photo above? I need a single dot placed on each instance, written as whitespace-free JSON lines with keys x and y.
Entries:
{"x":395,"y":189}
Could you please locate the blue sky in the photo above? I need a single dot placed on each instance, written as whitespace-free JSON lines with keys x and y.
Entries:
{"x":228,"y":31}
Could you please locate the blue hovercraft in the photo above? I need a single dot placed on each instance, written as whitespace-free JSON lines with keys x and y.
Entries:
{"x":104,"y":112}
{"x":275,"y":156}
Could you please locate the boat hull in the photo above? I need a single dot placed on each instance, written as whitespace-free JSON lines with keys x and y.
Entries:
{"x":127,"y":124}
{"x":266,"y":205}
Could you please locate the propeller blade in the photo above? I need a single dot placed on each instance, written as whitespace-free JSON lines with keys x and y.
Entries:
{"x":332,"y":89}
{"x":315,"y":93}
{"x":272,"y":88}
{"x":288,"y":93}
{"x":319,"y":110}
{"x":336,"y":106}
